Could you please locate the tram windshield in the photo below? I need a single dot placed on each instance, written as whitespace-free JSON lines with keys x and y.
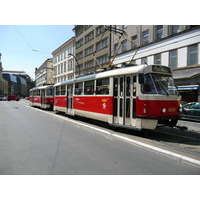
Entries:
{"x":159,"y":84}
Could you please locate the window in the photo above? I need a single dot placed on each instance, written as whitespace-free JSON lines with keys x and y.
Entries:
{"x":70,"y":65}
{"x":144,"y":60}
{"x":64,"y":66}
{"x":79,"y":55}
{"x":192,"y":54}
{"x":124,"y":26}
{"x":63,"y":89}
{"x":79,"y":31}
{"x":134,"y":39}
{"x":175,"y":29}
{"x":89,"y":50}
{"x":58,"y":90}
{"x":100,"y":29}
{"x":78,"y":89}
{"x":89,"y":36}
{"x":159,"y":32}
{"x":124,"y":45}
{"x":116,"y":47}
{"x":89,"y":64}
{"x":89,"y":88}
{"x":102,"y":59}
{"x":157,"y":59}
{"x":145,"y":37}
{"x":79,"y":43}
{"x":102,"y":86}
{"x":173,"y":58}
{"x":103,"y":43}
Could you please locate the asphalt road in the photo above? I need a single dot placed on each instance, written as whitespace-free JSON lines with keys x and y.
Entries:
{"x":36,"y":143}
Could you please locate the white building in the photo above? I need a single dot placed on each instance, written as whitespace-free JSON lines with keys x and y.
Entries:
{"x":175,"y":46}
{"x":44,"y":74}
{"x":64,"y":62}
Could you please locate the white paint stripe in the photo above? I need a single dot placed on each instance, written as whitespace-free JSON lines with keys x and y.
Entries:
{"x":163,"y":151}
{"x":159,"y":150}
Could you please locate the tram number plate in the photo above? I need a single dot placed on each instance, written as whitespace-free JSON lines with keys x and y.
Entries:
{"x":171,"y":109}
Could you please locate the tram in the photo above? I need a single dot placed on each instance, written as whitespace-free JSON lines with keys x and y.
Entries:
{"x":42,"y":97}
{"x":136,"y":96}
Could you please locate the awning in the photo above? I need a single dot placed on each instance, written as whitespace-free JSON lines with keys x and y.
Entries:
{"x":188,"y":87}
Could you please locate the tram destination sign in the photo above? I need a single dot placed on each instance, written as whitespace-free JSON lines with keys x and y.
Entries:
{"x":158,"y":68}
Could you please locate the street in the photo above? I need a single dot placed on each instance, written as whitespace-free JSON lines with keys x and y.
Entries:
{"x":36,"y":142}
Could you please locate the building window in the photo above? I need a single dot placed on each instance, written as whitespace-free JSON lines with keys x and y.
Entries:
{"x":89,"y":36}
{"x":175,"y":29}
{"x":134,"y":39}
{"x":103,"y":43}
{"x":70,"y":65}
{"x":116,"y":46}
{"x":64,"y":66}
{"x":124,"y":45}
{"x":100,"y":29}
{"x":89,"y":64}
{"x":79,"y":43}
{"x":144,"y":60}
{"x":159,"y":32}
{"x":124,"y":26}
{"x":89,"y":50}
{"x":79,"y":31}
{"x":145,"y":37}
{"x":157,"y":59}
{"x":192,"y":54}
{"x":102,"y":60}
{"x":79,"y":55}
{"x":173,"y":58}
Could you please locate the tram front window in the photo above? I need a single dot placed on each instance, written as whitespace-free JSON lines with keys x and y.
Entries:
{"x":159,"y":84}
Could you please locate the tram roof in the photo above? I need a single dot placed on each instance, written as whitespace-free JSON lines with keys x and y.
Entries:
{"x":115,"y":72}
{"x":41,"y":87}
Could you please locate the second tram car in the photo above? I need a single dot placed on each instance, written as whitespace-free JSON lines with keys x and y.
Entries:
{"x":136,"y":96}
{"x":42,"y":97}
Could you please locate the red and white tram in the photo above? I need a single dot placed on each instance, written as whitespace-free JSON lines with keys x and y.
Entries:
{"x":136,"y":96}
{"x":42,"y":96}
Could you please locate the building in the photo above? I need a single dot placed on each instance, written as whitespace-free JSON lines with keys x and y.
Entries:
{"x":44,"y":74}
{"x":177,"y":46}
{"x":64,"y":61}
{"x":91,"y":48}
{"x":19,"y":83}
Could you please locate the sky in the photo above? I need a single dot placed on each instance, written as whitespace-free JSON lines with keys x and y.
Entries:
{"x":25,"y":47}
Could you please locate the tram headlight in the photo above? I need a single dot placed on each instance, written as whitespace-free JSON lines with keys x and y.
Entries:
{"x":163,"y":110}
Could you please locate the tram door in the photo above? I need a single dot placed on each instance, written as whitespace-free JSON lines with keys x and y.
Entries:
{"x":124,"y":100}
{"x":69,"y":99}
{"x":42,"y":97}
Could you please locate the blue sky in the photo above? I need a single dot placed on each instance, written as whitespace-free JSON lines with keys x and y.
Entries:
{"x":18,"y":44}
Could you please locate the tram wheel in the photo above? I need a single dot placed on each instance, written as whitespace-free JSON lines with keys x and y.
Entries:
{"x":172,"y":122}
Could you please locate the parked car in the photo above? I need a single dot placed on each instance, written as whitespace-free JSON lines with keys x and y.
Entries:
{"x":4,"y":98}
{"x":191,"y":111}
{"x":1,"y":97}
{"x":13,"y":97}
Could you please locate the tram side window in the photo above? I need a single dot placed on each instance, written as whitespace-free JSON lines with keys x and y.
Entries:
{"x":89,"y":88}
{"x":102,"y":86}
{"x":50,"y":92}
{"x":63,"y":89}
{"x":79,"y":88}
{"x":37,"y":93}
{"x":134,"y":85}
{"x":57,"y":90}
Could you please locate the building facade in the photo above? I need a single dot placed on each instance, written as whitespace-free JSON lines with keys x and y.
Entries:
{"x":19,"y":83}
{"x":92,"y":49}
{"x":44,"y":74}
{"x":177,"y":46}
{"x":64,"y":61}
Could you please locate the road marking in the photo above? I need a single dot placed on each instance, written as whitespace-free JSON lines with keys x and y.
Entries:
{"x":147,"y":146}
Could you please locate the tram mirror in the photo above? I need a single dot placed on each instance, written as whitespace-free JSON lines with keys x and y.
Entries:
{"x":141,"y":78}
